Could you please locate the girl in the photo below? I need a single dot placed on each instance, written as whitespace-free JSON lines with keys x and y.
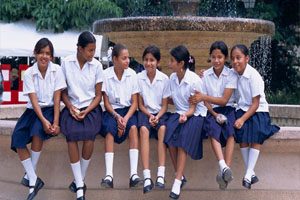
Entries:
{"x":220,"y":83}
{"x":43,"y":83}
{"x":81,"y":117}
{"x":183,"y":135}
{"x":120,"y":92}
{"x":253,"y":122}
{"x":153,"y":104}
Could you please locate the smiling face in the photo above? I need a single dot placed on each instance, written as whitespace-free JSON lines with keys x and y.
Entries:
{"x":87,"y":52}
{"x":150,"y":63}
{"x":239,"y":61}
{"x":217,"y":60}
{"x":43,"y":57}
{"x":122,"y":60}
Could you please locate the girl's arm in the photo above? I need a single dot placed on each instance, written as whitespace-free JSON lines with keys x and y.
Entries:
{"x":210,"y":109}
{"x":37,"y":109}
{"x":142,"y":106}
{"x":164,"y":108}
{"x":68,"y":104}
{"x":251,"y":111}
{"x":221,"y":101}
{"x":133,"y":107}
{"x":55,"y":125}
{"x":189,"y":113}
{"x":94,"y":103}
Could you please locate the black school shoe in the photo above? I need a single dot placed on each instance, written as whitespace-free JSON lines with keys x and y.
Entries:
{"x":73,"y":188}
{"x":25,"y":181}
{"x":246,"y":183}
{"x":38,"y":185}
{"x":254,"y":179}
{"x":148,"y":188}
{"x":174,"y":196}
{"x":106,"y":183}
{"x":82,"y":197}
{"x":159,"y":184}
{"x":183,"y":181}
{"x":135,"y":182}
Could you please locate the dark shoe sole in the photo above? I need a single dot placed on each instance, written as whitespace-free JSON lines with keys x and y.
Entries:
{"x":246,"y":183}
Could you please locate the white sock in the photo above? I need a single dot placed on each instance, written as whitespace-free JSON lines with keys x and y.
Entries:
{"x":147,"y":174}
{"x":253,"y":156}
{"x":35,"y":155}
{"x":245,"y":155}
{"x":176,"y":186}
{"x":84,"y":164}
{"x":109,"y":163}
{"x":222,"y":165}
{"x":134,"y":158}
{"x":78,"y":177}
{"x":161,"y":172}
{"x":27,"y":164}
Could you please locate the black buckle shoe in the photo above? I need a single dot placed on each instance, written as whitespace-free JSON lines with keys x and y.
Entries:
{"x":173,"y":195}
{"x":73,"y":188}
{"x":38,"y":185}
{"x":135,"y":182}
{"x":183,"y":181}
{"x":159,"y":184}
{"x":106,"y":183}
{"x":246,"y":183}
{"x":82,"y":197}
{"x":25,"y":181}
{"x":254,"y":179}
{"x":148,"y":188}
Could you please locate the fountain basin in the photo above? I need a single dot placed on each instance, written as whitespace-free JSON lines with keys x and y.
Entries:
{"x":197,"y":33}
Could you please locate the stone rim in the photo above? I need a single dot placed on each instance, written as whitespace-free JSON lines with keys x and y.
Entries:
{"x":179,"y":23}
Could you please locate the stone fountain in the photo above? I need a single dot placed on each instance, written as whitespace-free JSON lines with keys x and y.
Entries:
{"x":197,"y":33}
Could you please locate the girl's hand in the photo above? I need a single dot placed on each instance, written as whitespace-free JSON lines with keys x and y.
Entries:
{"x":153,"y":120}
{"x":81,"y":115}
{"x":182,"y":118}
{"x":238,"y":123}
{"x":56,"y":129}
{"x":47,"y":126}
{"x":120,"y":121}
{"x":74,"y":112}
{"x":196,"y":98}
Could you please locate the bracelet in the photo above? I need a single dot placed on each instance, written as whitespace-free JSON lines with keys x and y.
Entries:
{"x":115,"y":115}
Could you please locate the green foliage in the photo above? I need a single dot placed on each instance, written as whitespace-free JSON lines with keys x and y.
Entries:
{"x":59,"y":15}
{"x":284,"y":97}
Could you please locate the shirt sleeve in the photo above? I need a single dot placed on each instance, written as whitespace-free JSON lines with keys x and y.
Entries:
{"x":28,"y":86}
{"x":167,"y":89}
{"x":231,"y":81}
{"x":60,"y":82}
{"x":257,"y":85}
{"x":135,"y":88}
{"x":99,"y":74}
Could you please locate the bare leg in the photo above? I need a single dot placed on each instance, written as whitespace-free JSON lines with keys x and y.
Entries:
{"x":109,"y":143}
{"x":217,"y":148}
{"x":23,"y":154}
{"x":229,"y":150}
{"x":144,"y":138}
{"x":173,"y":154}
{"x":36,"y":144}
{"x":161,"y":147}
{"x":73,"y":152}
{"x":87,"y":149}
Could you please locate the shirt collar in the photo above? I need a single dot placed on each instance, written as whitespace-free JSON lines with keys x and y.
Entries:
{"x":224,"y":72}
{"x":112,"y":73}
{"x":247,"y":72}
{"x":35,"y":69}
{"x":157,"y":77}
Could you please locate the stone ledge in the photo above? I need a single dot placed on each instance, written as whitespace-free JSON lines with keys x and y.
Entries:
{"x":285,"y":133}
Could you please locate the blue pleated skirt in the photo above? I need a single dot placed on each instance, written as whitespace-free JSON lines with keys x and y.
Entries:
{"x":220,"y":132}
{"x":143,"y":120}
{"x":29,"y":125}
{"x":256,"y":129}
{"x":187,"y":135}
{"x":110,"y":124}
{"x":87,"y":129}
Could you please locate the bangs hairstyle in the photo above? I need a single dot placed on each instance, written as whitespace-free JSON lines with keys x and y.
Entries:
{"x":86,"y":38}
{"x":42,"y":43}
{"x":153,"y":50}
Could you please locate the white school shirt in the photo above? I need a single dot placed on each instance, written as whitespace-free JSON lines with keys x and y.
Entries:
{"x":43,"y":87}
{"x":119,"y":92}
{"x":215,"y":85}
{"x":153,"y":93}
{"x":182,"y":91}
{"x":250,"y":85}
{"x":81,"y":82}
